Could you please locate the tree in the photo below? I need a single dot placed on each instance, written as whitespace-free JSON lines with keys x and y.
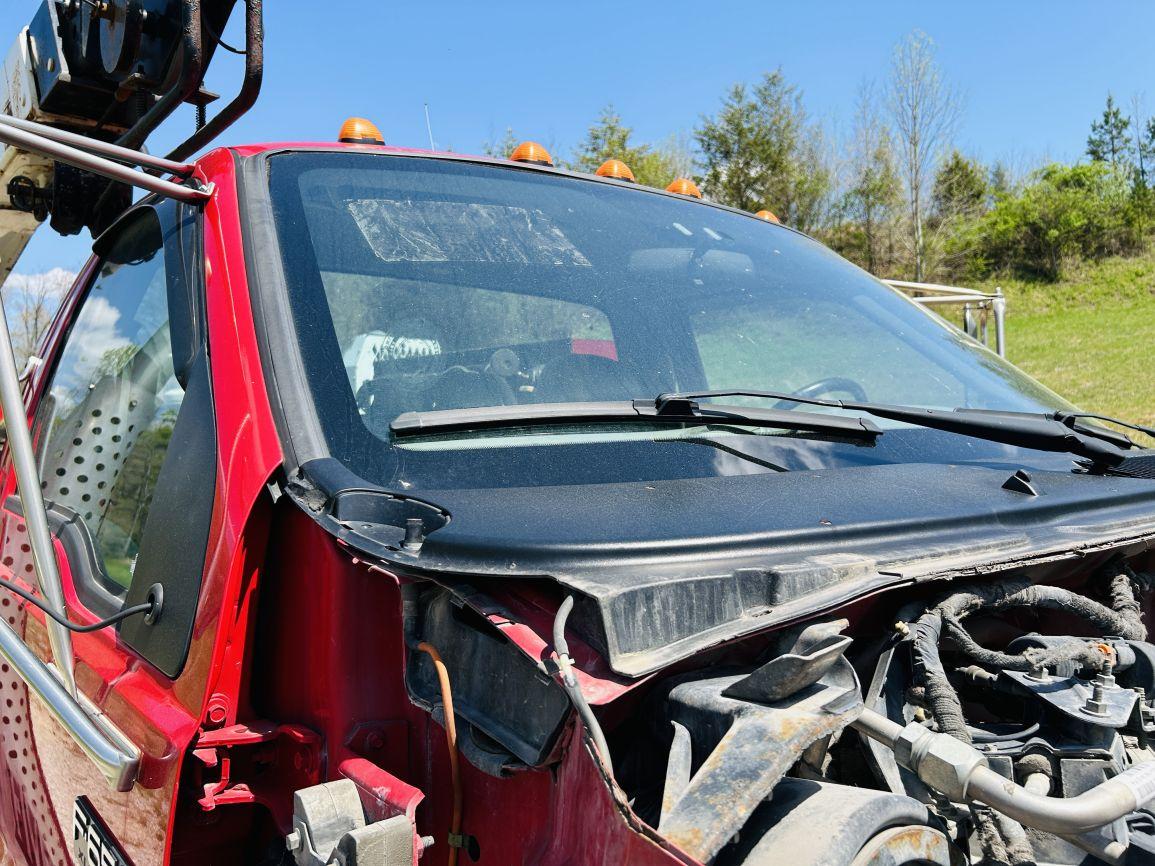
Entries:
{"x":872,"y":199}
{"x":924,"y":111}
{"x":1142,"y":146}
{"x":1109,"y":141}
{"x":960,"y":188}
{"x":1000,"y":182}
{"x":30,"y":301}
{"x":1060,"y":214}
{"x":1146,"y":148}
{"x":761,"y":151}
{"x":609,"y":138}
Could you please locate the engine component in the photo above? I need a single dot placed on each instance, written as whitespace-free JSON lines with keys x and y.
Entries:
{"x":743,"y":748}
{"x":964,"y":775}
{"x":1064,"y":716}
{"x":821,"y":824}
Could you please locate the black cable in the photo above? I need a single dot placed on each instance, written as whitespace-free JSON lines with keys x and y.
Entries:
{"x":221,"y":42}
{"x":148,"y":608}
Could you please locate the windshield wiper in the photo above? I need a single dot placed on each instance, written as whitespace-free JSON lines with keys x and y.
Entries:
{"x":1043,"y":431}
{"x":626,"y":411}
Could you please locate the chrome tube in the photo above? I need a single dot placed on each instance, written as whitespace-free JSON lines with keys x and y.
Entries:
{"x":36,"y":143}
{"x":100,"y":148}
{"x":32,"y":502}
{"x":999,"y":305}
{"x":1106,"y":802}
{"x":116,"y":758}
{"x":1070,"y":817}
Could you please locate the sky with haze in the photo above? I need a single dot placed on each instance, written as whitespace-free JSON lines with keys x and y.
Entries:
{"x":1032,"y":74}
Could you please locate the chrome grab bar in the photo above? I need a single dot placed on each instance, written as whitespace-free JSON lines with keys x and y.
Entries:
{"x":50,"y":146}
{"x":117,"y":758}
{"x":99,"y":148}
{"x":35,"y":516}
{"x":113,"y":754}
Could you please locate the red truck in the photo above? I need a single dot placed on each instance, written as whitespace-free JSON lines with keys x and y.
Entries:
{"x":379,"y":506}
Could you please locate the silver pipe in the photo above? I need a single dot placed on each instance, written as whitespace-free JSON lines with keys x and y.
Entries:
{"x":106,"y":167}
{"x":1105,"y":803}
{"x":938,"y":288}
{"x":100,"y":148}
{"x":967,"y":768}
{"x":931,"y":300}
{"x":117,"y":759}
{"x":999,"y":305}
{"x":32,"y":502}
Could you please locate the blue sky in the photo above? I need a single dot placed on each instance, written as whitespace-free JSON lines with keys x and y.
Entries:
{"x":1033,"y":74}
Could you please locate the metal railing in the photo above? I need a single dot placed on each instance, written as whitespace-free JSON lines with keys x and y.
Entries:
{"x":978,"y":308}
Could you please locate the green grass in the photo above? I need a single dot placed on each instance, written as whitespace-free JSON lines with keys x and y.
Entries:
{"x":1090,"y":336}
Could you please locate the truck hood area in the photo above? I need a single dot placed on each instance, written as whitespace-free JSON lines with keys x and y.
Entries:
{"x":663,"y":569}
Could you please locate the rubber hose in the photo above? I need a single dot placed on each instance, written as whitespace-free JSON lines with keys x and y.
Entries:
{"x":451,"y":740}
{"x":572,"y":688}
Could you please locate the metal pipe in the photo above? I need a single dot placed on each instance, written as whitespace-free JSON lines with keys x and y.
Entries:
{"x":953,"y":299}
{"x":117,"y":759}
{"x":101,"y":148}
{"x":936,"y":288}
{"x":32,"y":503}
{"x":250,"y":88}
{"x":999,"y":305}
{"x":1071,"y":816}
{"x":1106,"y":802}
{"x":99,"y":165}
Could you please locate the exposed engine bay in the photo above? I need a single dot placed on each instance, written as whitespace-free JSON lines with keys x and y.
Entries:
{"x":1005,"y":719}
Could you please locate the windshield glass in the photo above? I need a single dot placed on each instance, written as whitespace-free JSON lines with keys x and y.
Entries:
{"x":422,"y":284}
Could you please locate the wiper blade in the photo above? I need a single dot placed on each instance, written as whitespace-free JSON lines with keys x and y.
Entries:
{"x":626,"y":411}
{"x":1044,"y":431}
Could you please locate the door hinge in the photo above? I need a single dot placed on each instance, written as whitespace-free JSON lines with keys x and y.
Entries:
{"x":256,"y":763}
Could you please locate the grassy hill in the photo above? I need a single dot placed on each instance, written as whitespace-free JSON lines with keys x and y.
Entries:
{"x":1090,"y":336}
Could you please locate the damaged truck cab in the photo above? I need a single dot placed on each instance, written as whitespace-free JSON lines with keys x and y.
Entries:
{"x":466,"y":510}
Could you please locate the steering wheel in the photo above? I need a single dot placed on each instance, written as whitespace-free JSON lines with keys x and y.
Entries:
{"x":828,"y":385}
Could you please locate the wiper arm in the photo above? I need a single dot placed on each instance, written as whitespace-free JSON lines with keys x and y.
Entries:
{"x":1050,"y":431}
{"x":626,"y":411}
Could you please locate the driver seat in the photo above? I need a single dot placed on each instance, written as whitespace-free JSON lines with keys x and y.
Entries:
{"x":586,"y":378}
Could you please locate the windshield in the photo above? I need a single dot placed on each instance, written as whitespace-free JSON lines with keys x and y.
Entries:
{"x":421,"y":284}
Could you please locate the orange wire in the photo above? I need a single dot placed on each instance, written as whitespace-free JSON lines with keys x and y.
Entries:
{"x":451,"y":738}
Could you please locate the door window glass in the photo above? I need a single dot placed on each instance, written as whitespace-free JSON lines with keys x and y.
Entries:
{"x":107,"y":415}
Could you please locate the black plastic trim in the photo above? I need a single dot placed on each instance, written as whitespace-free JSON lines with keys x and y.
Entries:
{"x":297,"y":425}
{"x":176,"y":531}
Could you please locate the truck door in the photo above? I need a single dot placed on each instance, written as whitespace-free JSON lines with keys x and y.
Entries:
{"x":123,"y":425}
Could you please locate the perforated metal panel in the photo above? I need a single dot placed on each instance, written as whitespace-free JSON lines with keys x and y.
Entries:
{"x":89,"y":446}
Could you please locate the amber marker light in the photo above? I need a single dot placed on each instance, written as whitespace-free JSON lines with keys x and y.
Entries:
{"x":768,"y":216}
{"x":358,"y":130}
{"x":684,"y":186}
{"x":615,"y":168}
{"x":531,"y":151}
